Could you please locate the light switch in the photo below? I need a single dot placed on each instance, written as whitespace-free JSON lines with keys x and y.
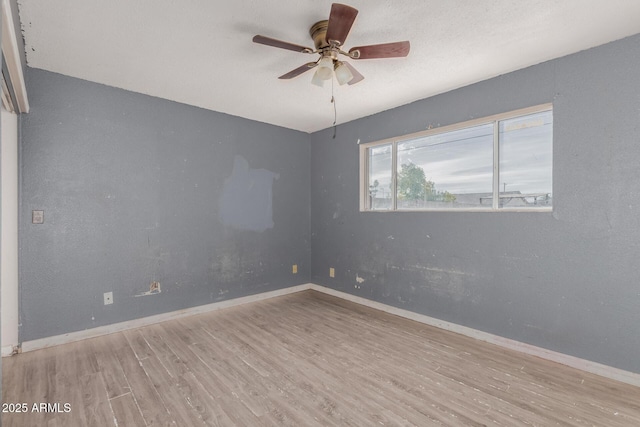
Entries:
{"x":37,"y":217}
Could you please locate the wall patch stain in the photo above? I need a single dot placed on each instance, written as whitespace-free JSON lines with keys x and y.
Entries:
{"x":246,"y":202}
{"x":154,"y":288}
{"x":359,"y":279}
{"x":338,"y":211}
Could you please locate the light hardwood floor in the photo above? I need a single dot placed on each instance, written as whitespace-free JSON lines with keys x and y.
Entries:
{"x":302,"y":360}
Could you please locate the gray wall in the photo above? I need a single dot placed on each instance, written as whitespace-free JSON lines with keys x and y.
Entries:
{"x":567,"y":280}
{"x":133,"y":189}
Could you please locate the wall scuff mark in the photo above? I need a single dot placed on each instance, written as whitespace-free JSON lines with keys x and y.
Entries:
{"x":154,"y":288}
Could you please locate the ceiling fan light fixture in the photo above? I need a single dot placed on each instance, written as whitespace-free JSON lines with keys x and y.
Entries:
{"x":316,"y":80}
{"x":325,"y":68}
{"x":343,"y":74}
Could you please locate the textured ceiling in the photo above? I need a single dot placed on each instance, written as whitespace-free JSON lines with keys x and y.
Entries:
{"x":199,"y":52}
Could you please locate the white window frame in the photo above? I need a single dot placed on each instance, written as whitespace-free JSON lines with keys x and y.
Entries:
{"x":494,"y":119}
{"x":11,"y":54}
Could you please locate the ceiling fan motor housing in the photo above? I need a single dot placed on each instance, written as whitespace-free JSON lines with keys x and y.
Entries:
{"x":318,"y":33}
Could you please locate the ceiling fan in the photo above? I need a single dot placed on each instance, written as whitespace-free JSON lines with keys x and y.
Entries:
{"x":328,"y":37}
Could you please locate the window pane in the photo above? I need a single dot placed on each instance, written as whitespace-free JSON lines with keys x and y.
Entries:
{"x":526,"y":147}
{"x":379,"y":181}
{"x":448,"y":170}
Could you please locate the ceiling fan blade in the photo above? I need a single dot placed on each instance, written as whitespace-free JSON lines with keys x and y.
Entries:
{"x":294,"y":73}
{"x":385,"y":50}
{"x":357,"y":77}
{"x":282,"y":45}
{"x":340,"y":22}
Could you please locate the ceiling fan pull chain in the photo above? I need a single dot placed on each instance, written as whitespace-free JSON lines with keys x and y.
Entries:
{"x":335,"y":111}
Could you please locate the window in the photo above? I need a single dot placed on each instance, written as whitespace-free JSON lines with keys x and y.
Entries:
{"x":380,"y":177}
{"x":502,"y":162}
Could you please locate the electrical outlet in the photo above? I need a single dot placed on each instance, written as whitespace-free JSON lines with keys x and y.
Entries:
{"x":332,"y":272}
{"x":108,"y":298}
{"x":294,"y":269}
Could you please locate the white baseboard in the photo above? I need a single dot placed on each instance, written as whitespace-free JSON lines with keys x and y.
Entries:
{"x":564,"y":359}
{"x":137,"y":323}
{"x":9,"y":350}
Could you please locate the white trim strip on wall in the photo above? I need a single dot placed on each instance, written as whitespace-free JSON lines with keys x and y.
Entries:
{"x":572,"y":361}
{"x":9,"y":350}
{"x":9,"y":318}
{"x":12,"y":57}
